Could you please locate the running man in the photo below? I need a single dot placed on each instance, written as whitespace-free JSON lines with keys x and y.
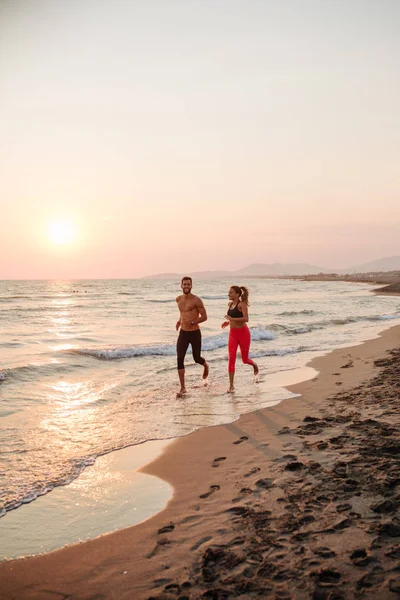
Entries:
{"x":192,"y":312}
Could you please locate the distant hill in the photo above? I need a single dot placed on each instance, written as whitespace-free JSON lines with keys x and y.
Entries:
{"x":211,"y":274}
{"x":391,"y":263}
{"x":254,"y":270}
{"x":281,"y":269}
{"x":195,"y":275}
{"x":164,"y":276}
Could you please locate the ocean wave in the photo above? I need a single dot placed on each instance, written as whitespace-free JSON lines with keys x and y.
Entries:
{"x":36,"y":297}
{"x":8,"y":298}
{"x":261,"y":333}
{"x":44,"y":487}
{"x":279,"y":351}
{"x":308,"y":327}
{"x":209,"y":344}
{"x":11,"y":344}
{"x":293,"y":313}
{"x":32,"y":309}
{"x":30,"y":371}
{"x":155,"y":301}
{"x":216,"y":297}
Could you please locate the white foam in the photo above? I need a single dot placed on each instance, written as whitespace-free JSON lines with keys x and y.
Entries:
{"x":127,"y":351}
{"x":288,"y":330}
{"x":279,"y":352}
{"x":209,"y":344}
{"x":260,"y":333}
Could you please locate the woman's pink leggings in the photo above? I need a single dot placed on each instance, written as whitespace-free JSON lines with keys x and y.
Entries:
{"x":239,"y":337}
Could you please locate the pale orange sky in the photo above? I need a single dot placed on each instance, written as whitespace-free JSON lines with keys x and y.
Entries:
{"x":182,"y":136}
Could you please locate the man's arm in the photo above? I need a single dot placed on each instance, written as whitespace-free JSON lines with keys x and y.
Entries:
{"x":178,"y":323}
{"x":202,"y":312}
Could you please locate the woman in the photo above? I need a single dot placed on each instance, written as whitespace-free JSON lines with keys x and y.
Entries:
{"x":239,"y":334}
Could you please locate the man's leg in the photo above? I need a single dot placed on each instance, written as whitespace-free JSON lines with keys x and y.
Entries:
{"x":196,"y":349}
{"x":181,"y":347}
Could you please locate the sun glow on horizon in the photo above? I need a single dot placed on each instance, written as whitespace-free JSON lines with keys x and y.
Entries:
{"x":62,"y":232}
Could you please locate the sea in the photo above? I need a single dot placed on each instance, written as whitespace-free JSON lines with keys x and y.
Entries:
{"x":88,"y":367}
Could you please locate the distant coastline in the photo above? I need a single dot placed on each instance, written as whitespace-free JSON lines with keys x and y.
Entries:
{"x":383,"y":270}
{"x":390,"y":281}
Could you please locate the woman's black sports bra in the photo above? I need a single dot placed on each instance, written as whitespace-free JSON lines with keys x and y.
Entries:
{"x":235,"y":312}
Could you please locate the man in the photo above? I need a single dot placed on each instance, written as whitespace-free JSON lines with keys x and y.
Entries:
{"x":192,"y":313}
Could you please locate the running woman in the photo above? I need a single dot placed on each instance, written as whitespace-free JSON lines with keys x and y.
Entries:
{"x":239,"y":333}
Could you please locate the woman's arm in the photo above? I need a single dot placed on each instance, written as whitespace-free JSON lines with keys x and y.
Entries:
{"x":227,"y":318}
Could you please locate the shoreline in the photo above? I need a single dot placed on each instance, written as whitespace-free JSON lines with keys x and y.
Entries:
{"x":224,"y":461}
{"x":109,"y":495}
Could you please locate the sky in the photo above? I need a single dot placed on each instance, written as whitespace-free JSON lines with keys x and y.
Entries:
{"x":148,"y":136}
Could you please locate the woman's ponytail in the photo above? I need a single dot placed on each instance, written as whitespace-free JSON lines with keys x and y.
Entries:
{"x":244,"y":296}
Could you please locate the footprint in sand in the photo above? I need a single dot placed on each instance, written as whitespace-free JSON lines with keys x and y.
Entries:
{"x":203,"y":540}
{"x":360,"y":557}
{"x":243,"y":492}
{"x":189,"y":519}
{"x":173,"y":587}
{"x":162,"y":581}
{"x":212,"y":490}
{"x":347,"y":365}
{"x":241,"y":440}
{"x":264,"y":483}
{"x":252,"y":471}
{"x":217,"y":461}
{"x":166,"y":529}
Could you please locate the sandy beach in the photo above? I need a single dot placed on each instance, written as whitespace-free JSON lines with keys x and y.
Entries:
{"x":296,"y":501}
{"x":199,"y":300}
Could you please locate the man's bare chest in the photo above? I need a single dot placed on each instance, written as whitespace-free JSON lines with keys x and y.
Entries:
{"x":185,"y":307}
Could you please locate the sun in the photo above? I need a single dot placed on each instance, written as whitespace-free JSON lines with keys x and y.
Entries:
{"x":62,"y":232}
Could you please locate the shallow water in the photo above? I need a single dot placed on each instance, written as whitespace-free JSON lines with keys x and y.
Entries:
{"x":88,"y":367}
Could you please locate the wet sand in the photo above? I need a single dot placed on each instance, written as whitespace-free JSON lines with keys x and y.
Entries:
{"x":295,"y":501}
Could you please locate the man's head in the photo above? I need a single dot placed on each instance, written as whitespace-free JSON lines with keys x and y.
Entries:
{"x":186,"y":285}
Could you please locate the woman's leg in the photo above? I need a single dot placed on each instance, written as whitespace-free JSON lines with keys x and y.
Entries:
{"x":244,"y":344}
{"x":231,"y":382}
{"x":232,"y":351}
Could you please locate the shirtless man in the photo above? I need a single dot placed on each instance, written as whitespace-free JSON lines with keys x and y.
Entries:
{"x":192,"y":313}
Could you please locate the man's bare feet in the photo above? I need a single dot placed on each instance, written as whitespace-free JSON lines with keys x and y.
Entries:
{"x":230,"y":390}
{"x":205,"y":372}
{"x":181,"y":393}
{"x":255,"y":367}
